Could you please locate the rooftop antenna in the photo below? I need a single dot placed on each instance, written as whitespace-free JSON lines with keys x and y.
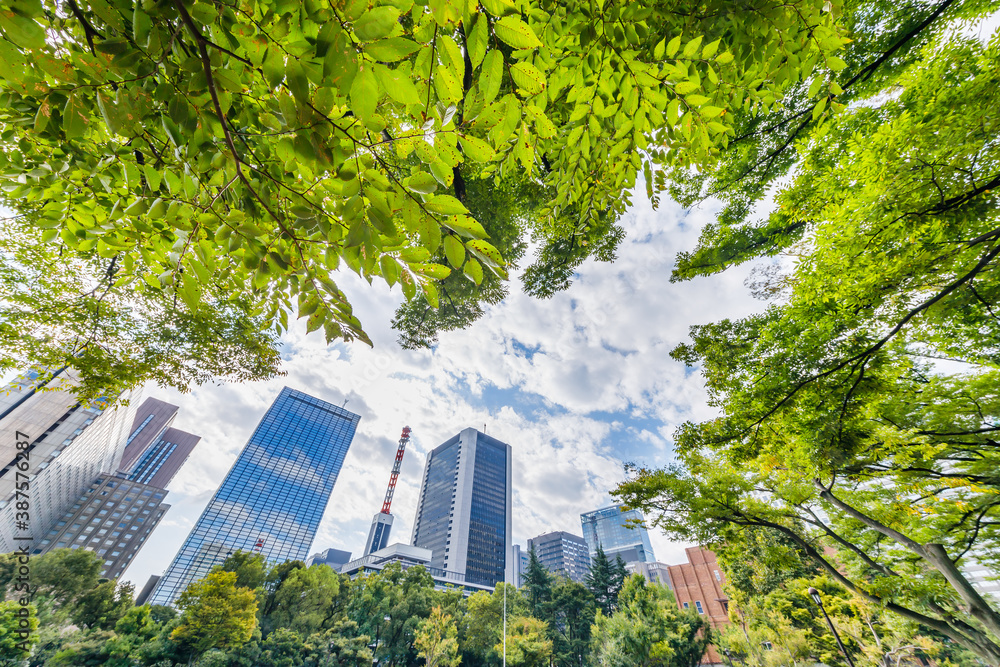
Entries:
{"x":378,"y":535}
{"x":344,"y":404}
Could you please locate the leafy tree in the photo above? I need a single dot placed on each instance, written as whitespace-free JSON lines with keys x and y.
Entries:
{"x":537,"y":585}
{"x":251,"y":569}
{"x":83,"y":650}
{"x":839,"y":427}
{"x":216,"y":614}
{"x":207,"y":167}
{"x":481,"y":627}
{"x":605,"y":580}
{"x":304,"y":601}
{"x":137,"y":622}
{"x":341,"y":646}
{"x":570,"y":620}
{"x":103,"y":606}
{"x":283,"y":648}
{"x":17,"y":631}
{"x":648,"y":629}
{"x":64,"y":574}
{"x":527,"y":644}
{"x":162,"y":613}
{"x":437,"y":640}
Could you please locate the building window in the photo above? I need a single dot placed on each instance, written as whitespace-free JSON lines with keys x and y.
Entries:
{"x":718,"y":577}
{"x":697,"y":605}
{"x":685,"y":605}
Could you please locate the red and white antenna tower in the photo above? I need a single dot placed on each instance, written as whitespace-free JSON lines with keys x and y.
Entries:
{"x":394,"y":475}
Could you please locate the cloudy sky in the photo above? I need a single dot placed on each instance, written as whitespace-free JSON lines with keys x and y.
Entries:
{"x":576,"y":384}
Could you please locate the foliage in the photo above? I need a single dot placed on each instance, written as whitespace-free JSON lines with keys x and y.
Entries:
{"x":482,"y":627}
{"x":437,"y":640}
{"x":648,"y":629}
{"x":570,"y":618}
{"x":840,"y":429}
{"x":527,"y":642}
{"x":605,"y":579}
{"x":537,"y":584}
{"x":103,"y":606}
{"x":63,"y":574}
{"x":342,"y":646}
{"x":251,"y":569}
{"x":17,"y":631}
{"x":216,"y":613}
{"x":304,"y":601}
{"x":195,"y":173}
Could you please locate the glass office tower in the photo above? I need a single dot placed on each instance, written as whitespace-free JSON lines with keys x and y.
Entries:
{"x":616,"y":531}
{"x":464,"y":512}
{"x":273,"y":498}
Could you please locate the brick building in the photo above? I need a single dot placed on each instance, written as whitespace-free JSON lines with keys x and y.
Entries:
{"x":698,"y":584}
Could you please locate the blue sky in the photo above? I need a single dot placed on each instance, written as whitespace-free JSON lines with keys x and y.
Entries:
{"x":577,"y":384}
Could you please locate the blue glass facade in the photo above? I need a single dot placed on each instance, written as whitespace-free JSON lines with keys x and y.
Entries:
{"x":610,"y":528}
{"x":464,"y":512}
{"x":488,"y":539}
{"x":273,"y":498}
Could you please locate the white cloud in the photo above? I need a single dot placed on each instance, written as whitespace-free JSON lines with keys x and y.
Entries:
{"x":576,"y":384}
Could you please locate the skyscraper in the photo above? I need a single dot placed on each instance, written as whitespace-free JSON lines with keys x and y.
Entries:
{"x":562,"y":553}
{"x":117,"y":513}
{"x":273,"y":497}
{"x":464,"y":510}
{"x":112,"y":519}
{"x":612,"y":529}
{"x":68,"y":444}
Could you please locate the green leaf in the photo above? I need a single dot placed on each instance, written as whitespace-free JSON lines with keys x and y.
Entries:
{"x":466,"y":226}
{"x":673,"y":45}
{"x":528,"y":77}
{"x":499,"y":7}
{"x":691,"y":48}
{"x":435,"y":271}
{"x":421,"y":182}
{"x":297,"y":81}
{"x":364,"y":94}
{"x":515,"y":33}
{"x":476,"y":40}
{"x":22,"y":31}
{"x":685,"y":87}
{"x":392,"y":49}
{"x":473,"y":270}
{"x":445,"y":204}
{"x":492,"y":75}
{"x":447,"y":86}
{"x":486,"y":252}
{"x":724,"y":58}
{"x":710,"y":111}
{"x":659,"y":49}
{"x":376,"y":23}
{"x":409,"y":286}
{"x":390,"y":269}
{"x":75,"y":120}
{"x":477,"y":149}
{"x":431,"y":292}
{"x":454,"y":251}
{"x":835,"y":63}
{"x":710,"y":49}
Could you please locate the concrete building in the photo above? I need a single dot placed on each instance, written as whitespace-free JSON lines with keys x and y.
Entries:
{"x":464,"y":509}
{"x":562,"y":553}
{"x":274,"y":496}
{"x":655,"y":572}
{"x":519,"y":557}
{"x":55,"y":444}
{"x":112,"y":519}
{"x":335,"y":558}
{"x":117,"y":513}
{"x":619,"y":532}
{"x":408,"y":556}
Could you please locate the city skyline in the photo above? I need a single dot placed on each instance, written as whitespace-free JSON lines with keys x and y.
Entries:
{"x":573,"y":381}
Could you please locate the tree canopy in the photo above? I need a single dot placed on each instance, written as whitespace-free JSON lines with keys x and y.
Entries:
{"x":187,"y":177}
{"x":858,"y":412}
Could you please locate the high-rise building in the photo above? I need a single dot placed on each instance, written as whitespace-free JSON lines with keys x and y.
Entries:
{"x":274,"y":496}
{"x":519,"y":557}
{"x":562,"y":553}
{"x":113,"y":519}
{"x":66,"y":444}
{"x":117,"y":513}
{"x":619,"y":532}
{"x":464,"y":508}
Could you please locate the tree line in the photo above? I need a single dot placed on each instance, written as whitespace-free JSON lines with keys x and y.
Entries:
{"x":249,"y":613}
